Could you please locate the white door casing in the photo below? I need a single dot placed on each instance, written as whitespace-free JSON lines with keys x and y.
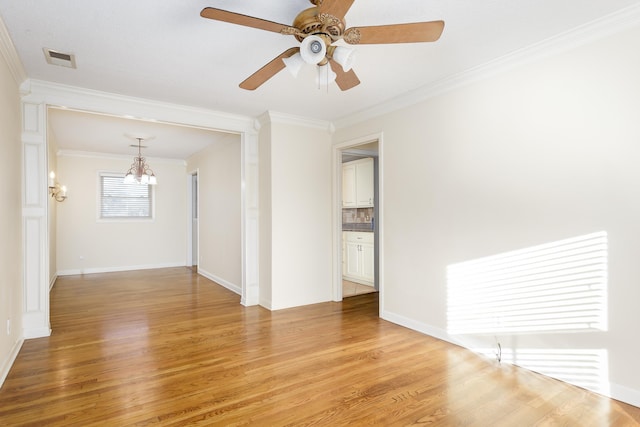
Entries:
{"x":36,"y":97}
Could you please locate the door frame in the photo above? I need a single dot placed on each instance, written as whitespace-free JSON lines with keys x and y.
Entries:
{"x":337,"y":213}
{"x":36,"y":97}
{"x":190,"y":176}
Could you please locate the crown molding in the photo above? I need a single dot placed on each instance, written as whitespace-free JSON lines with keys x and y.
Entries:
{"x":289,"y":119}
{"x":77,"y":98}
{"x":608,"y":25}
{"x":111,"y":156}
{"x":10,"y":55}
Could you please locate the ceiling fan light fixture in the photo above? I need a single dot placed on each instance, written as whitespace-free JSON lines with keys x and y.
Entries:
{"x":319,"y":29}
{"x":345,"y":57}
{"x":313,"y":49}
{"x":325,"y":75}
{"x":294,"y":64}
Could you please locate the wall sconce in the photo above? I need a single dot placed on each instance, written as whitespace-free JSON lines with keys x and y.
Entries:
{"x":57,"y":191}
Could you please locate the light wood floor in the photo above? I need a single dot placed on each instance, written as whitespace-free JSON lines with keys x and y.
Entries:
{"x":350,"y":289}
{"x":167,"y":347}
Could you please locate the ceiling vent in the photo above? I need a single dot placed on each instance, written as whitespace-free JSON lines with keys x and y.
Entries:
{"x":59,"y":58}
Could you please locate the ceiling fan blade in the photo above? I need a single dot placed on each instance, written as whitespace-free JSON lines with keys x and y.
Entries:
{"x":396,"y":33}
{"x":337,"y":8}
{"x":344,"y":80}
{"x":269,"y":70}
{"x":247,"y":21}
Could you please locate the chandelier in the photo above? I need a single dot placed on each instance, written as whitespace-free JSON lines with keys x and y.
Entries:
{"x":140,"y":172}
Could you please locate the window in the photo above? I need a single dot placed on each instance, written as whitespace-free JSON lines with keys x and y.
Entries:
{"x":124,"y":201}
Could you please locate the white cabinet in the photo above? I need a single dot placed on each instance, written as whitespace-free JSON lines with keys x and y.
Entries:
{"x":358,"y":257}
{"x":357,"y":184}
{"x":364,"y":183}
{"x":349,"y":186}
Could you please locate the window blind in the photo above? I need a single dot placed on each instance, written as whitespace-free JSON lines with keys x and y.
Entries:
{"x":120,"y":200}
{"x":551,"y":287}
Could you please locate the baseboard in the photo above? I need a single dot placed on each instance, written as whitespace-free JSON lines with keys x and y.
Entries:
{"x":75,"y":272}
{"x":438,"y":333}
{"x":52,"y":281}
{"x":8,"y":363}
{"x":220,"y":281}
{"x":266,"y":304}
{"x":358,"y":280}
{"x":625,"y":394}
{"x":616,"y":391}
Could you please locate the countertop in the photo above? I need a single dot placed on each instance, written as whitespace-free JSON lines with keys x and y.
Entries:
{"x":357,"y":226}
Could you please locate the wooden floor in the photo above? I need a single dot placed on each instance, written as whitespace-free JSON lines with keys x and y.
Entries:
{"x":167,"y":347}
{"x":350,"y":289}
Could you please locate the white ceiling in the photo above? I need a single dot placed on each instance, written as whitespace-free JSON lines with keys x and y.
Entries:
{"x":82,"y":132}
{"x":163,"y":50}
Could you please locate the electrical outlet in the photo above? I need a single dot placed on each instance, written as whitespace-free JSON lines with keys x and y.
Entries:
{"x":8,"y":326}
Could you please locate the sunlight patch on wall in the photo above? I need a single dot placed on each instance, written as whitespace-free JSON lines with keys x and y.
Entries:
{"x":586,"y":368}
{"x":558,"y":286}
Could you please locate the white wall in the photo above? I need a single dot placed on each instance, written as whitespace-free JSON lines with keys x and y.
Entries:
{"x":115,"y":245}
{"x":220,"y":256}
{"x":10,"y":219}
{"x":300,"y":238}
{"x":543,"y":152}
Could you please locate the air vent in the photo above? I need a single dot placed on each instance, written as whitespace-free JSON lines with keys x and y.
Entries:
{"x":62,"y":59}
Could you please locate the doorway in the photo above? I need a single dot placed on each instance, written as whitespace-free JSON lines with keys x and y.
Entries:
{"x":192,"y":185}
{"x":359,"y":217}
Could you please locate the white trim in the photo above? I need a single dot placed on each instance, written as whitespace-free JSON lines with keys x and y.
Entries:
{"x":95,"y":270}
{"x":96,"y":155}
{"x":38,"y":95}
{"x":412,"y":324}
{"x":189,"y":225}
{"x":35,"y":229}
{"x":53,"y":281}
{"x":8,"y":362}
{"x":624,"y":394}
{"x":250,"y":212}
{"x":64,"y":96}
{"x":220,"y":281}
{"x":600,"y":28}
{"x":266,"y":304}
{"x":616,"y":391}
{"x":337,"y":214}
{"x":8,"y":51}
{"x":358,"y":280}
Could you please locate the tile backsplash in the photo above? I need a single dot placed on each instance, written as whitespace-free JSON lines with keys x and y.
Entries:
{"x":357,"y":216}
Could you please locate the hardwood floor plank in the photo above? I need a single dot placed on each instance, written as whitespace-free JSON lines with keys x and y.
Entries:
{"x":168,"y":347}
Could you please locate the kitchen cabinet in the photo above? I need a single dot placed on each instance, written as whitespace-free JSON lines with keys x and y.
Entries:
{"x":358,"y":262}
{"x":357,"y":184}
{"x":349,"y":186}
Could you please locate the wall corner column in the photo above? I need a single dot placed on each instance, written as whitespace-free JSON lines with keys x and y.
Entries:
{"x":250,"y":212}
{"x":34,"y":221}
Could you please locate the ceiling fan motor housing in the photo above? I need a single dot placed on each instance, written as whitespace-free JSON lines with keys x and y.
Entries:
{"x":309,"y":22}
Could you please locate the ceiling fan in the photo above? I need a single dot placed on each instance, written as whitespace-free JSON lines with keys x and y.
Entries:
{"x":318,"y":29}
